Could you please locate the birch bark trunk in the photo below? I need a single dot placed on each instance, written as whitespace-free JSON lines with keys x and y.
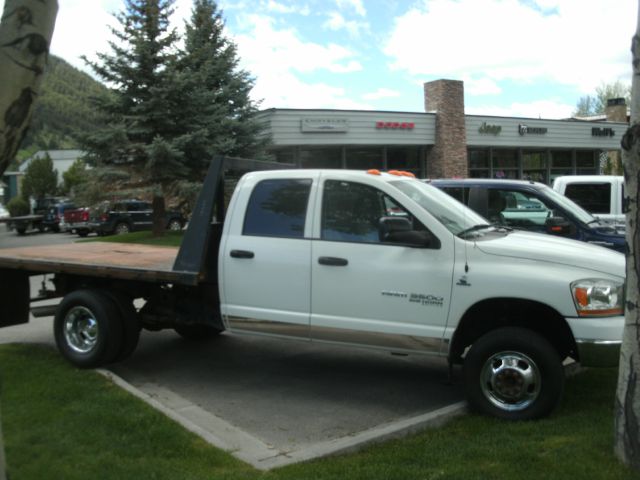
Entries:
{"x":627,"y":408}
{"x":26,"y":27}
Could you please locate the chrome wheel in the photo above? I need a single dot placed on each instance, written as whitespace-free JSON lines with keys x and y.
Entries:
{"x":122,"y":228}
{"x":81,"y":329}
{"x":510,"y":380}
{"x":175,"y":225}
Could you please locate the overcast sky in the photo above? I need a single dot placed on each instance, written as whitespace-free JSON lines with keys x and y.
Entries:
{"x":529,"y":58}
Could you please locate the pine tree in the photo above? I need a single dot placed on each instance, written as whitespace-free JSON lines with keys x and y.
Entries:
{"x":217,"y":112}
{"x":141,"y":128}
{"x":40,"y":178}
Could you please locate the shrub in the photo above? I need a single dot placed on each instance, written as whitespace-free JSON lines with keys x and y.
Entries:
{"x":18,"y":206}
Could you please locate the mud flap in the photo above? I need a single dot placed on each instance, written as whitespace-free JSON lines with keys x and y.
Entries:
{"x":14,"y":297}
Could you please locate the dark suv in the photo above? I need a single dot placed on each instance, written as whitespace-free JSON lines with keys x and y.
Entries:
{"x":126,"y":216}
{"x":532,"y":206}
{"x":54,"y":216}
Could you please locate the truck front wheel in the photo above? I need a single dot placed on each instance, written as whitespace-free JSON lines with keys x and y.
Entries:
{"x":513,"y":373}
{"x":88,"y":328}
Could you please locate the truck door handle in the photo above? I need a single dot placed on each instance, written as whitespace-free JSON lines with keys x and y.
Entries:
{"x":241,"y":254}
{"x":333,"y":261}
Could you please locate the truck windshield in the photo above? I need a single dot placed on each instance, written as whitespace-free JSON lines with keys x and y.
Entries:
{"x":455,"y":216}
{"x":569,"y":205}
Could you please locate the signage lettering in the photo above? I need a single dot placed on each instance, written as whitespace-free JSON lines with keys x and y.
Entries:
{"x":602,"y":132}
{"x":489,"y":129}
{"x":395,"y":125}
{"x":324,"y":125}
{"x":525,"y":130}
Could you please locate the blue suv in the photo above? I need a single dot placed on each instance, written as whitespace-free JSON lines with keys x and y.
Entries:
{"x":532,"y":206}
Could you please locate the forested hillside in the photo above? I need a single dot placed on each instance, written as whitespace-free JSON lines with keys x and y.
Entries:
{"x":63,"y":109}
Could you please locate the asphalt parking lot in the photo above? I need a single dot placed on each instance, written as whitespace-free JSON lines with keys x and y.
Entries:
{"x":272,"y":402}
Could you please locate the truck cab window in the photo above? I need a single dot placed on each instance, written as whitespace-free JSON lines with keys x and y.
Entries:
{"x":351,"y":212}
{"x":278,"y":208}
{"x":593,"y":197}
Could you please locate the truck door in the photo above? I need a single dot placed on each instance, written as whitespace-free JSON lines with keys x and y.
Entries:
{"x":368,"y":291}
{"x":265,"y":259}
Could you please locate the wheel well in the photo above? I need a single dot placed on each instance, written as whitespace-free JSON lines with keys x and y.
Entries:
{"x":494,"y":313}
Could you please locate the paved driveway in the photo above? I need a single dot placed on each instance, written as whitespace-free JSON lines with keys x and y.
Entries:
{"x":270,"y":401}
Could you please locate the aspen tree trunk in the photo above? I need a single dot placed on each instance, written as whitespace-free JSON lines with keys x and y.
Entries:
{"x":627,"y":408}
{"x":26,"y":27}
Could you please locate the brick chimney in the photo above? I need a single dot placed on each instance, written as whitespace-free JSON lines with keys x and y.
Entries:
{"x":616,"y":110}
{"x":448,"y":157}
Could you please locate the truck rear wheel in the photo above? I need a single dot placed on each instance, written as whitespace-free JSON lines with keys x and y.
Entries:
{"x":88,"y":328}
{"x":513,"y":373}
{"x":130,"y":324}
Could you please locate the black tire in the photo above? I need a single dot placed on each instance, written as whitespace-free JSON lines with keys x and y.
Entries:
{"x":130,"y":324}
{"x":83,"y":233}
{"x":21,"y":230}
{"x":514,"y":374}
{"x":88,"y":328}
{"x":197,"y":332}
{"x":121,"y":228}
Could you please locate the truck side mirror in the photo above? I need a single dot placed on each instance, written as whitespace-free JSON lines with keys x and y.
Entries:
{"x":558,"y":226}
{"x":399,"y":230}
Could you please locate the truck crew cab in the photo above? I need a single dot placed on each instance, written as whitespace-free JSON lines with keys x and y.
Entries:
{"x":362,"y":259}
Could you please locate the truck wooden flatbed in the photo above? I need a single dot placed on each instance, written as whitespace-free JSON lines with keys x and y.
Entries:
{"x":105,"y":259}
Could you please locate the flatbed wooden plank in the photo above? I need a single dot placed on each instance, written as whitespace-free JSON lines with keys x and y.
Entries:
{"x":115,"y":260}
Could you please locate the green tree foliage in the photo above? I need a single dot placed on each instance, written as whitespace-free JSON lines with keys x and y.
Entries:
{"x":74,"y":177}
{"x":140,"y":128}
{"x":40,"y":178}
{"x":18,"y":206}
{"x":170,"y":111}
{"x":221,"y":114}
{"x":63,"y":110}
{"x":590,"y":105}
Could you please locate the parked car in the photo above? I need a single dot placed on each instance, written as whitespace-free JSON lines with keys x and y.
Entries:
{"x":600,"y":195}
{"x":77,"y":221}
{"x":532,"y":206}
{"x":54,"y":216}
{"x":126,"y":216}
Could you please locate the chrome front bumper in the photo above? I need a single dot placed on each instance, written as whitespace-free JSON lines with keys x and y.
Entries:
{"x":599,"y":353}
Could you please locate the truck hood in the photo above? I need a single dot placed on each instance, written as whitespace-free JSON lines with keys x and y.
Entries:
{"x":548,"y":248}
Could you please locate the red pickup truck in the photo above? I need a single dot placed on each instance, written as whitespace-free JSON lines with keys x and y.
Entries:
{"x":77,"y":220}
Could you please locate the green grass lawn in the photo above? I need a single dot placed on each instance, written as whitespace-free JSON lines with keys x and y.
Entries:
{"x":63,"y":423}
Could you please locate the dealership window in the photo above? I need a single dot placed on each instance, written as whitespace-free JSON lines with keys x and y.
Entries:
{"x":404,"y":158}
{"x":561,"y":163}
{"x":320,"y":157}
{"x":285,"y":155}
{"x":534,"y":166}
{"x":586,"y":162}
{"x":504,"y":163}
{"x":478,"y":163}
{"x":364,"y":158}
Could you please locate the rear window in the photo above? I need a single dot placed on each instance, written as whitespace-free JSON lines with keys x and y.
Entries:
{"x":278,"y":208}
{"x":593,"y":197}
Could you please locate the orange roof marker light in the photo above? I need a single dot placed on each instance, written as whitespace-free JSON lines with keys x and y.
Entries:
{"x":397,"y":173}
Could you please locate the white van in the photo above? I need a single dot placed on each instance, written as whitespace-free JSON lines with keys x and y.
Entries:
{"x":600,"y":195}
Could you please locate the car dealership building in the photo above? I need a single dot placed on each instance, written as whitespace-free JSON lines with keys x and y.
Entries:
{"x":444,"y":142}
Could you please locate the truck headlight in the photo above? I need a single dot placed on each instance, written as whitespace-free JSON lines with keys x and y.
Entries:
{"x":596,"y":297}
